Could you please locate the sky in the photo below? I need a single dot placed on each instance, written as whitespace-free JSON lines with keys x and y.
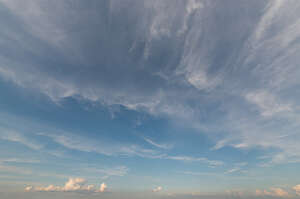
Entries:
{"x":183,"y":99}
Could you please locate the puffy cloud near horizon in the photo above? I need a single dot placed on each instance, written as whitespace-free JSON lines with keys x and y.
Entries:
{"x":157,"y":189}
{"x":72,"y":185}
{"x":102,"y":188}
{"x":297,"y":189}
{"x":275,"y":192}
{"x":29,"y":188}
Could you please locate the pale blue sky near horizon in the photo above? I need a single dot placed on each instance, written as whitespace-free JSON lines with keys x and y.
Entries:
{"x":158,"y":99}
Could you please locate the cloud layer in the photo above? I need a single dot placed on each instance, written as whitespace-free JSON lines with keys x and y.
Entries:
{"x":223,"y":71}
{"x":172,"y":59}
{"x":73,"y":184}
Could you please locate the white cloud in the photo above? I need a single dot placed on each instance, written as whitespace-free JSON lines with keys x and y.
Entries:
{"x":267,"y":18}
{"x":108,"y":172}
{"x":238,"y":167}
{"x":29,"y":188}
{"x":193,"y":5}
{"x":81,"y":143}
{"x":201,"y":81}
{"x":275,"y":192}
{"x":241,"y":164}
{"x":267,"y":103}
{"x":38,"y":21}
{"x":270,"y":64}
{"x":199,"y":173}
{"x":233,"y":170}
{"x":103,"y":187}
{"x":73,"y":184}
{"x":212,"y":163}
{"x":220,"y":144}
{"x":297,"y":189}
{"x":14,"y":136}
{"x":157,"y":189}
{"x":162,"y":146}
{"x":89,"y":187}
{"x":19,"y":160}
{"x":48,"y":188}
{"x":15,"y":169}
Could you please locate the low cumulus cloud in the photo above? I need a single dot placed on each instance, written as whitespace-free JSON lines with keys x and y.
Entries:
{"x":73,"y":184}
{"x":275,"y":192}
{"x":28,"y":188}
{"x":297,"y":189}
{"x":102,"y":188}
{"x":157,"y":189}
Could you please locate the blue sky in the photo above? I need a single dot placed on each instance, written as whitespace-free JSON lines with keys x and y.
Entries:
{"x":149,"y":99}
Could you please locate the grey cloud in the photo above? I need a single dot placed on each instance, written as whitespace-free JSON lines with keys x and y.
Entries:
{"x":202,"y":62}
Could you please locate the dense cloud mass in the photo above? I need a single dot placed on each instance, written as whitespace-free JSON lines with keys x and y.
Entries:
{"x":234,"y":64}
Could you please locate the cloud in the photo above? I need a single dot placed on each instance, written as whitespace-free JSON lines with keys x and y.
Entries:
{"x":275,"y":192}
{"x":14,"y":136}
{"x":49,"y":188}
{"x":80,"y":143}
{"x":272,"y":8}
{"x":212,"y":163}
{"x":72,"y":185}
{"x":241,"y":164}
{"x":19,"y":160}
{"x":90,"y":187}
{"x":108,"y":172}
{"x":103,"y":187}
{"x":162,"y":146}
{"x":157,"y":189}
{"x":297,"y":189}
{"x":15,"y":169}
{"x":268,"y":105}
{"x":199,"y":173}
{"x":237,"y":167}
{"x":29,"y":188}
{"x":174,"y":60}
{"x":233,"y":170}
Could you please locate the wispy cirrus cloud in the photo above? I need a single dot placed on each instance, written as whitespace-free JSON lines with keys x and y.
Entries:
{"x":236,"y":83}
{"x":14,"y":136}
{"x":86,"y":145}
{"x":19,"y":160}
{"x":267,"y":104}
{"x":80,"y":143}
{"x":212,"y":163}
{"x":107,"y":172}
{"x":162,"y":146}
